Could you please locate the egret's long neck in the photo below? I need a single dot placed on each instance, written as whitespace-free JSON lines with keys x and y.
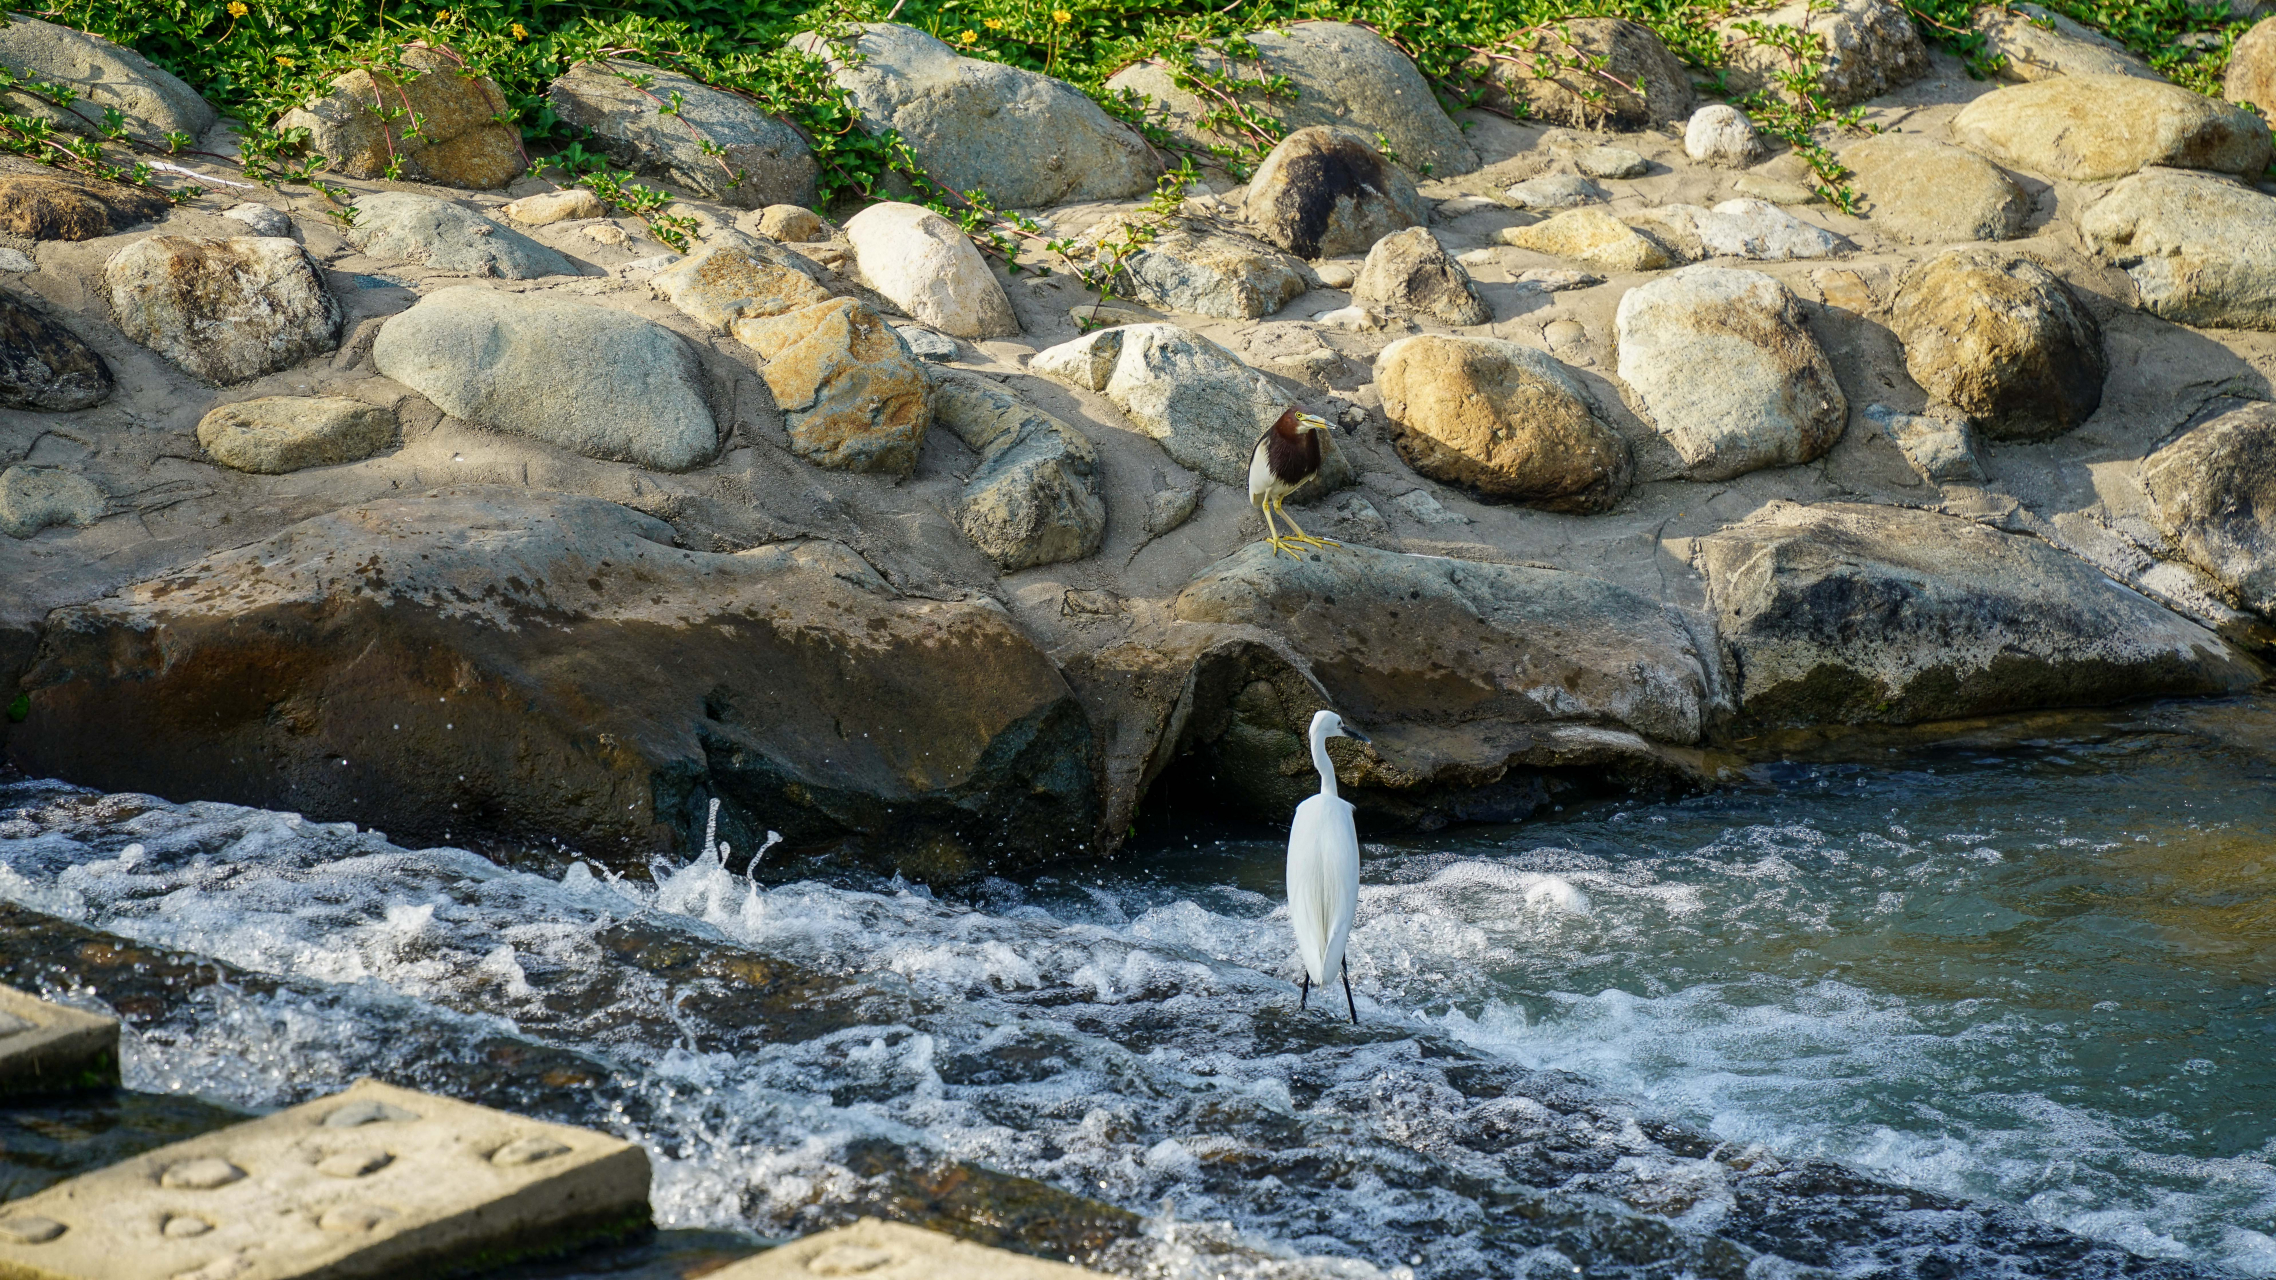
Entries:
{"x":1321,"y":762}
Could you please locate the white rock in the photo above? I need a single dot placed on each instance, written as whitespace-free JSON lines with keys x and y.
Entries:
{"x":1721,"y":135}
{"x":1204,"y":405}
{"x":1555,"y":191}
{"x":927,"y":267}
{"x":1764,"y":232}
{"x":1726,"y":371}
{"x":264,"y":220}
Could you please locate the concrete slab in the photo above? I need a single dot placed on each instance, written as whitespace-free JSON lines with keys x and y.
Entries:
{"x":874,"y":1250}
{"x":47,"y":1048}
{"x":375,"y":1181}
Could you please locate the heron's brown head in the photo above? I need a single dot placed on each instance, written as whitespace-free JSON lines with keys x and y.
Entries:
{"x":1307,"y":422}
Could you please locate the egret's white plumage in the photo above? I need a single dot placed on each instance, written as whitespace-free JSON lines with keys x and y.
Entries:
{"x":1323,"y":867}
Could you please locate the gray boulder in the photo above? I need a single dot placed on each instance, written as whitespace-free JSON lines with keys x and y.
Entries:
{"x":404,"y":226}
{"x":2093,"y":128}
{"x":1025,"y":139}
{"x":2214,"y":492}
{"x":1869,"y":47}
{"x":1324,"y":192}
{"x":274,"y":435}
{"x":1940,"y":447}
{"x":1450,"y":661}
{"x":1342,"y":74}
{"x":1557,"y":191}
{"x":2001,"y":338}
{"x":1034,"y":499}
{"x":1753,"y":229}
{"x":44,"y":365}
{"x":32,"y":498}
{"x":713,"y":144}
{"x":1204,"y":405}
{"x":102,"y":76}
{"x":499,"y":662}
{"x":223,"y":310}
{"x":1586,"y":73}
{"x":2201,"y":250}
{"x":1851,"y":614}
{"x":2036,"y":43}
{"x":1723,"y":367}
{"x":602,"y":383}
{"x":1935,"y":193}
{"x":1192,"y":266}
{"x":1408,"y":271}
{"x":852,"y":394}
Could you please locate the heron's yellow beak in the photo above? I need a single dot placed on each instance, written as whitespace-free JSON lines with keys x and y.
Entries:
{"x":1306,"y":422}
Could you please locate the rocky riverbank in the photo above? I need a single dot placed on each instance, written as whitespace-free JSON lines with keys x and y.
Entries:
{"x":480,"y":514}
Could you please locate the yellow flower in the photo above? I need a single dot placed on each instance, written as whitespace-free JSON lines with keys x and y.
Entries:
{"x":442,"y":16}
{"x":283,"y":61}
{"x":237,"y":9}
{"x":1062,"y":17}
{"x":995,"y":24}
{"x":520,"y":32}
{"x":968,"y":37}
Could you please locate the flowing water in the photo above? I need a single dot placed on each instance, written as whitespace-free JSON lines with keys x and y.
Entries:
{"x":1787,"y":1026}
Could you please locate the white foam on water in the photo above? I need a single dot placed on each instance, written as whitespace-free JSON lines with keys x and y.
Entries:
{"x":1478,"y":948}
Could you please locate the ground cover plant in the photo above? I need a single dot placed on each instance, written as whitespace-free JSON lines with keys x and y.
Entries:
{"x":256,"y":59}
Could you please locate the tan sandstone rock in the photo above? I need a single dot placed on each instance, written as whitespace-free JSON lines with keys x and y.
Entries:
{"x":1504,"y":420}
{"x":2252,"y":68}
{"x":2001,"y":338}
{"x":722,"y":282}
{"x":277,"y":434}
{"x":1934,"y":193}
{"x":1592,"y":236}
{"x":852,"y":394}
{"x":2091,"y":128}
{"x":549,"y":207}
{"x":465,"y":135}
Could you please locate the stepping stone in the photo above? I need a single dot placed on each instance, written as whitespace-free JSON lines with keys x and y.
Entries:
{"x":373,"y":1181}
{"x":875,"y":1250}
{"x":47,"y":1048}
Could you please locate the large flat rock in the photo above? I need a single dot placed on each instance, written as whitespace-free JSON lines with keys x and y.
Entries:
{"x":496,"y":660}
{"x":374,"y":1181}
{"x":1843,"y":613}
{"x":49,"y":1048}
{"x":890,"y":1251}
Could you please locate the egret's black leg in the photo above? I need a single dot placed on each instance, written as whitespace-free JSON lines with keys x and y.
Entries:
{"x":1353,"y":1004}
{"x":1306,"y":992}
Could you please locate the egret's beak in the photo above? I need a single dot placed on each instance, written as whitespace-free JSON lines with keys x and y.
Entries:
{"x":1350,"y":732}
{"x":1306,"y":422}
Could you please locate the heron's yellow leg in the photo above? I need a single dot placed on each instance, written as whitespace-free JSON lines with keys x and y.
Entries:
{"x":1300,"y":535}
{"x":1272,"y":534}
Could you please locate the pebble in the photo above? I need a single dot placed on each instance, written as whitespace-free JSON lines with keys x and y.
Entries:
{"x":1611,"y":162}
{"x":1337,"y":275}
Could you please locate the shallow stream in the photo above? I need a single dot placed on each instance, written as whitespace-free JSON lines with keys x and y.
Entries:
{"x":1627,"y":1039}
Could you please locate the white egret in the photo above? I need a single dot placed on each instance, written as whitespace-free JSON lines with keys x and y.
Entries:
{"x":1323,"y":869}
